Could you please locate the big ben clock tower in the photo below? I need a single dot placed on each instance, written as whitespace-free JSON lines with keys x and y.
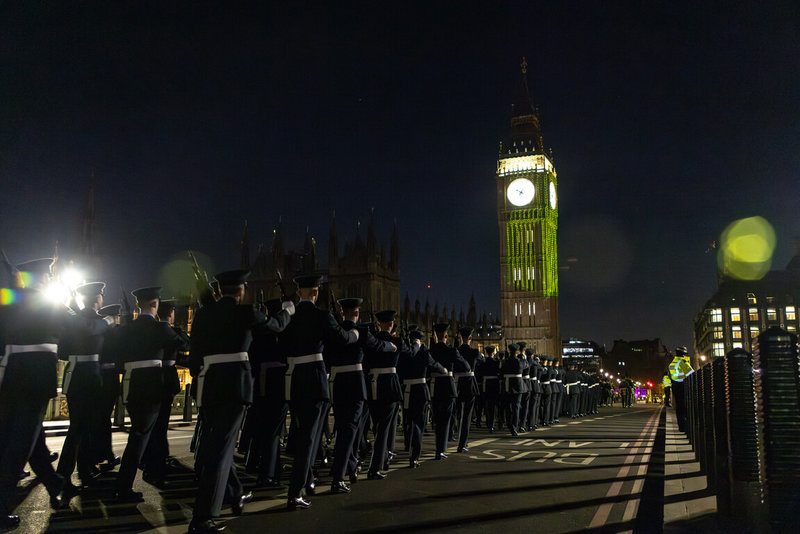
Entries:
{"x":527,"y":216}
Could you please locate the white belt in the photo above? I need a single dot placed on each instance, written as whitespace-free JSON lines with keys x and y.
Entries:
{"x":583,"y":384}
{"x":16,"y":349}
{"x":168,"y":363}
{"x":485,"y":378}
{"x":593,"y":385}
{"x":535,"y":378}
{"x":434,"y":376}
{"x":374,"y":372}
{"x":408,"y":382}
{"x":213,"y":359}
{"x":546,"y":382}
{"x":75,"y":359}
{"x":508,"y":380}
{"x":298,"y":360}
{"x":337,"y":369}
{"x":129,"y":367}
{"x":107,"y":365}
{"x":570,"y":385}
{"x":262,"y":375}
{"x":558,"y":381}
{"x":465,"y":373}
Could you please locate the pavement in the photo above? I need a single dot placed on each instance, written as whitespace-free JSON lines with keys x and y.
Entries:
{"x":622,"y":470}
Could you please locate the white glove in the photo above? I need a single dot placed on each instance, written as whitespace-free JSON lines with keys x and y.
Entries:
{"x":355,"y":331}
{"x":417,"y":344}
{"x":288,"y":305}
{"x":110,"y":320}
{"x":394,"y":347}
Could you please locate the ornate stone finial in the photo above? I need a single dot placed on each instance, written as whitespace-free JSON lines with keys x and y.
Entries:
{"x":524,"y":65}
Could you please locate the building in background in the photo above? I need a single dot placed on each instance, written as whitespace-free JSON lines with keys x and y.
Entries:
{"x":584,"y":353}
{"x":641,"y":360}
{"x":741,"y":309}
{"x":527,"y":217}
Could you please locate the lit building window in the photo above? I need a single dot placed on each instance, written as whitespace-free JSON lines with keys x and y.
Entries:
{"x":752,"y":314}
{"x":753,"y":333}
{"x":751,"y":298}
{"x":736,"y":332}
{"x":718,"y":333}
{"x":791,"y":328}
{"x":772,"y":314}
{"x":738,"y":345}
{"x":791,"y":315}
{"x":716,"y":315}
{"x":770,"y":300}
{"x":736,"y":315}
{"x":718,"y":350}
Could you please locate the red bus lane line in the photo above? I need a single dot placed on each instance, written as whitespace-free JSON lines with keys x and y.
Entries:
{"x":601,"y":516}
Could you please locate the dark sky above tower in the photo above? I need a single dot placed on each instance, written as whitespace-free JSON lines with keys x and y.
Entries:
{"x":667,"y":121}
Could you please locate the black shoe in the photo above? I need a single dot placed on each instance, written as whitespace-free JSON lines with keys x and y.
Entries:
{"x":53,"y":457}
{"x":440,"y":456}
{"x":556,"y":421}
{"x":109,"y":465}
{"x":463,"y":449}
{"x":24,"y":474}
{"x":154,"y":479}
{"x":353,"y":478}
{"x":413,"y":464}
{"x":311,"y":489}
{"x":514,"y":433}
{"x":128,"y":496}
{"x":297,"y":502}
{"x":238,"y":506}
{"x":491,"y":430}
{"x":377,"y":475}
{"x":268,"y":482}
{"x":206,"y":527}
{"x":340,"y":487}
{"x":9,"y":521}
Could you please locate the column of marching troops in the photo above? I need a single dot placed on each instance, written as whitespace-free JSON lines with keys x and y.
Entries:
{"x":251,"y":366}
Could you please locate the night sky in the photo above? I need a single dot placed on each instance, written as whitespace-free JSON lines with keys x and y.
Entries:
{"x":667,"y":121}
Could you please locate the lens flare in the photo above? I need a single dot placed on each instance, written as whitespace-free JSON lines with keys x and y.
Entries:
{"x":8,"y":296}
{"x":746,"y":248}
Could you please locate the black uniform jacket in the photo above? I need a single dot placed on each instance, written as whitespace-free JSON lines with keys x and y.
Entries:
{"x":468,"y":385}
{"x":388,"y":384}
{"x":350,"y":386}
{"x":416,"y":364}
{"x":83,"y":336}
{"x":535,"y":372}
{"x":172,"y":383}
{"x":445,"y":386}
{"x":268,"y":364}
{"x":511,"y":365}
{"x":526,"y":374}
{"x":311,"y":330}
{"x":33,"y":320}
{"x":491,"y":367}
{"x":146,"y":339}
{"x":225,"y":327}
{"x":544,"y":380}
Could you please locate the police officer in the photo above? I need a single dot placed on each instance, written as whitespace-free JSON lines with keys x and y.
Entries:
{"x":30,"y":329}
{"x":416,"y":396}
{"x":155,"y":456}
{"x":466,"y":383}
{"x":511,"y":374}
{"x":304,"y":340}
{"x":81,"y":345}
{"x":221,"y":335}
{"x":443,"y":387}
{"x":144,"y":343}
{"x":348,"y":388}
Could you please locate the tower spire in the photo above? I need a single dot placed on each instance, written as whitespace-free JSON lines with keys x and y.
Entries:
{"x":526,"y":135}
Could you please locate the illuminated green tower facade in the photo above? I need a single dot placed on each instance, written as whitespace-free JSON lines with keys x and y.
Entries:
{"x":527,"y":216}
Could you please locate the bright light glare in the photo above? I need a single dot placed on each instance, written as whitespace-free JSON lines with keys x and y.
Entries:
{"x":71,"y":278}
{"x":57,"y":293}
{"x":746,"y":248}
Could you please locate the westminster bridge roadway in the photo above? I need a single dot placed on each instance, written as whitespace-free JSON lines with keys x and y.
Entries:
{"x":621,"y":470}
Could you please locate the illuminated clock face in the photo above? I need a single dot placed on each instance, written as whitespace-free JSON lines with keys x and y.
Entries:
{"x":552,"y":195}
{"x":520,"y":192}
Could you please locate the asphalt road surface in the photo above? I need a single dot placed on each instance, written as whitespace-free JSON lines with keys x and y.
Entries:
{"x":601,"y":473}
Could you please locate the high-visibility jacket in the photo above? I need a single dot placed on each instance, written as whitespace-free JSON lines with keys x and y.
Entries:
{"x":666,"y":381}
{"x":679,"y":368}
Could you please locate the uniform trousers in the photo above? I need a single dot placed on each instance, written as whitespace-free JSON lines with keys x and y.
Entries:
{"x":105,"y":406}
{"x":524,"y":405}
{"x":555,"y":402}
{"x":490,"y":407}
{"x":678,"y":397}
{"x":307,"y":415}
{"x":533,"y":412}
{"x":512,"y":410}
{"x":392,"y":437}
{"x":573,"y":403}
{"x":78,"y":446}
{"x":442,"y":415}
{"x":416,"y":414}
{"x":20,"y":426}
{"x":546,"y":408}
{"x":274,"y":426}
{"x":348,"y":416}
{"x":215,"y":468}
{"x":479,"y":402}
{"x":465,"y":407}
{"x":383,"y":414}
{"x":143,"y":419}
{"x":154,"y":459}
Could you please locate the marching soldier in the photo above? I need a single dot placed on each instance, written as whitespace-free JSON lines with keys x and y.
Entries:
{"x":573,"y":380}
{"x":511,"y":370}
{"x":560,"y":389}
{"x":306,"y":380}
{"x":81,"y":346}
{"x":525,"y":398}
{"x":536,"y":389}
{"x":443,"y":387}
{"x":464,"y":375}
{"x":144,"y":343}
{"x":348,"y":389}
{"x":157,"y":451}
{"x":221,"y":334}
{"x":546,"y":390}
{"x":490,"y":371}
{"x":30,"y":330}
{"x":110,"y":390}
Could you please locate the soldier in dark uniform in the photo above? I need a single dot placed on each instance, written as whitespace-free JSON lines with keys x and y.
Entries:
{"x":511,"y":373}
{"x":29,"y":330}
{"x":536,"y":389}
{"x":525,"y":398}
{"x":466,"y":384}
{"x":221,"y":335}
{"x":490,"y":376}
{"x":348,"y":389}
{"x":384,"y":393}
{"x":269,"y":407}
{"x":416,"y":396}
{"x":573,"y":382}
{"x":144,"y":343}
{"x":559,"y":395}
{"x":547,"y":390}
{"x":306,"y":380}
{"x":443,"y":387}
{"x":155,"y":455}
{"x":110,"y":390}
{"x":81,"y":345}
